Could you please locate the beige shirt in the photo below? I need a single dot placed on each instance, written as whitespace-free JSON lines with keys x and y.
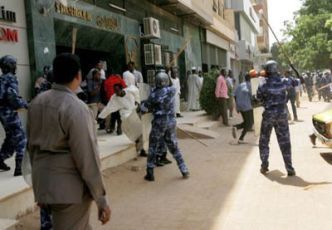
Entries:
{"x":63,"y":148}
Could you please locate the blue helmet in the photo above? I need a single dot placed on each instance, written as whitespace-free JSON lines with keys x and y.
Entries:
{"x":8,"y":64}
{"x":271,"y":67}
{"x":161,"y":79}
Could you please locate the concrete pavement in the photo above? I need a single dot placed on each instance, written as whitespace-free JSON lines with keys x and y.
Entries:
{"x":226,"y":190}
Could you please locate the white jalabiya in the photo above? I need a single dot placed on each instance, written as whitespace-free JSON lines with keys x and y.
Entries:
{"x":194,"y":89}
{"x":125,"y":104}
{"x":176,"y":85}
{"x":129,"y":78}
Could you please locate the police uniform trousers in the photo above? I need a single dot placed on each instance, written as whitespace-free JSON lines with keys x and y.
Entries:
{"x":71,"y":216}
{"x":278,"y":121}
{"x":164,"y":129}
{"x":15,"y":140}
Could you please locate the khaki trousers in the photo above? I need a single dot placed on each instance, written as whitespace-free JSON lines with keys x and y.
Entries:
{"x":71,"y":216}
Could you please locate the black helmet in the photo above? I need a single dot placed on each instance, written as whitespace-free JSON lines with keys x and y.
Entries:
{"x":8,"y":64}
{"x":271,"y":67}
{"x":161,"y":79}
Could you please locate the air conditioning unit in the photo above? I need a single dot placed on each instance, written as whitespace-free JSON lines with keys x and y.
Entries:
{"x":166,"y":58}
{"x":149,"y":54}
{"x":152,"y":54}
{"x":157,"y":55}
{"x":151,"y":28}
{"x":150,"y":74}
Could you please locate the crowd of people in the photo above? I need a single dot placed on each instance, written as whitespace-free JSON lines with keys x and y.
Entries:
{"x":63,"y":116}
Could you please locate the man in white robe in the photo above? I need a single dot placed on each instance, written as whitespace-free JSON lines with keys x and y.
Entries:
{"x":176,"y":84}
{"x":194,"y":89}
{"x":125,"y":101}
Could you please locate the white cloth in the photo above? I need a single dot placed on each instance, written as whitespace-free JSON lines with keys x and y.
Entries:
{"x":176,"y":85}
{"x":129,"y":78}
{"x":138,"y":77}
{"x":194,"y":89}
{"x":298,"y":87}
{"x":102,"y":74}
{"x":125,"y":104}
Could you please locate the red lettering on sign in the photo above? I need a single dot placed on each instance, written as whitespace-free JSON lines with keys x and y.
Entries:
{"x":9,"y":35}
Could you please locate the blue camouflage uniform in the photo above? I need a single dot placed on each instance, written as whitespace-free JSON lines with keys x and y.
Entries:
{"x":10,"y":101}
{"x":161,"y":104}
{"x":273,"y":95}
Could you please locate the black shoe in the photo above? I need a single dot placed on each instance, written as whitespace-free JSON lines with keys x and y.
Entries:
{"x":158,"y":162}
{"x":143,"y":153}
{"x":3,"y":166}
{"x":264,"y":170}
{"x":18,"y":168}
{"x":119,"y":132}
{"x":291,"y":173}
{"x":313,"y":139}
{"x":178,"y":115}
{"x":185,"y":175}
{"x":149,"y":175}
{"x":165,"y":161}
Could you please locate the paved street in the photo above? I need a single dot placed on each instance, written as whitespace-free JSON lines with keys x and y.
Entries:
{"x":226,"y":190}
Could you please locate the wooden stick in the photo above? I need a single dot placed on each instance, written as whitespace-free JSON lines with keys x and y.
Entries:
{"x":192,"y":136}
{"x":74,"y":38}
{"x":325,"y":86}
{"x":179,"y":52}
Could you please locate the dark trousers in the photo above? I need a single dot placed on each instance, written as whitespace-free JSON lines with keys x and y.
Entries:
{"x":246,"y":124}
{"x":223,"y":110}
{"x":115,"y":118}
{"x":279,"y":122}
{"x":292,"y":101}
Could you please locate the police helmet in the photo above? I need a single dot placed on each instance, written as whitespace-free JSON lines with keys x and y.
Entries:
{"x":161,"y":79}
{"x":271,"y":67}
{"x":8,"y":64}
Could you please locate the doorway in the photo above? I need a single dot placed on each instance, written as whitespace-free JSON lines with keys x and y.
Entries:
{"x":92,"y":45}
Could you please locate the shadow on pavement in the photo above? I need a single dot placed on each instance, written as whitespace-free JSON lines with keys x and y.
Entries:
{"x":281,"y":178}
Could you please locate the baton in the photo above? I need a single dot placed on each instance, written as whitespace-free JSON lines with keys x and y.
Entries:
{"x":193,"y":137}
{"x":325,"y":86}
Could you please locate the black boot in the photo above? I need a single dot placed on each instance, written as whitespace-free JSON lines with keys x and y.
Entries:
{"x":149,"y":174}
{"x":3,"y":166}
{"x":158,"y":162}
{"x":185,"y":175}
{"x":18,"y":168}
{"x":143,"y":153}
{"x":164,"y":160}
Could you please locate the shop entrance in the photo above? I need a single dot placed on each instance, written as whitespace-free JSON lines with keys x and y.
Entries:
{"x":92,"y":45}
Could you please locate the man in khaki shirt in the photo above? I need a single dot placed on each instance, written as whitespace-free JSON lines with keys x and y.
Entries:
{"x":63,"y":150}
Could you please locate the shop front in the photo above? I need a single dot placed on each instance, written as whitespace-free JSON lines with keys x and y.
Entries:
{"x":89,"y":31}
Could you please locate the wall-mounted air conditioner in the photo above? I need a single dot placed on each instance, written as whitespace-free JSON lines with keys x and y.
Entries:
{"x":152,"y":54}
{"x":151,"y":28}
{"x":166,"y":58}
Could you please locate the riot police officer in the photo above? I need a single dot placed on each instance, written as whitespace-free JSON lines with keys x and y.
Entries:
{"x":273,"y":95}
{"x":161,"y":104}
{"x":10,"y":103}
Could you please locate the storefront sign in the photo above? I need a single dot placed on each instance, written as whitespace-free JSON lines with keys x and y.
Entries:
{"x":72,"y":11}
{"x":9,"y":35}
{"x":6,"y":15}
{"x":109,"y":23}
